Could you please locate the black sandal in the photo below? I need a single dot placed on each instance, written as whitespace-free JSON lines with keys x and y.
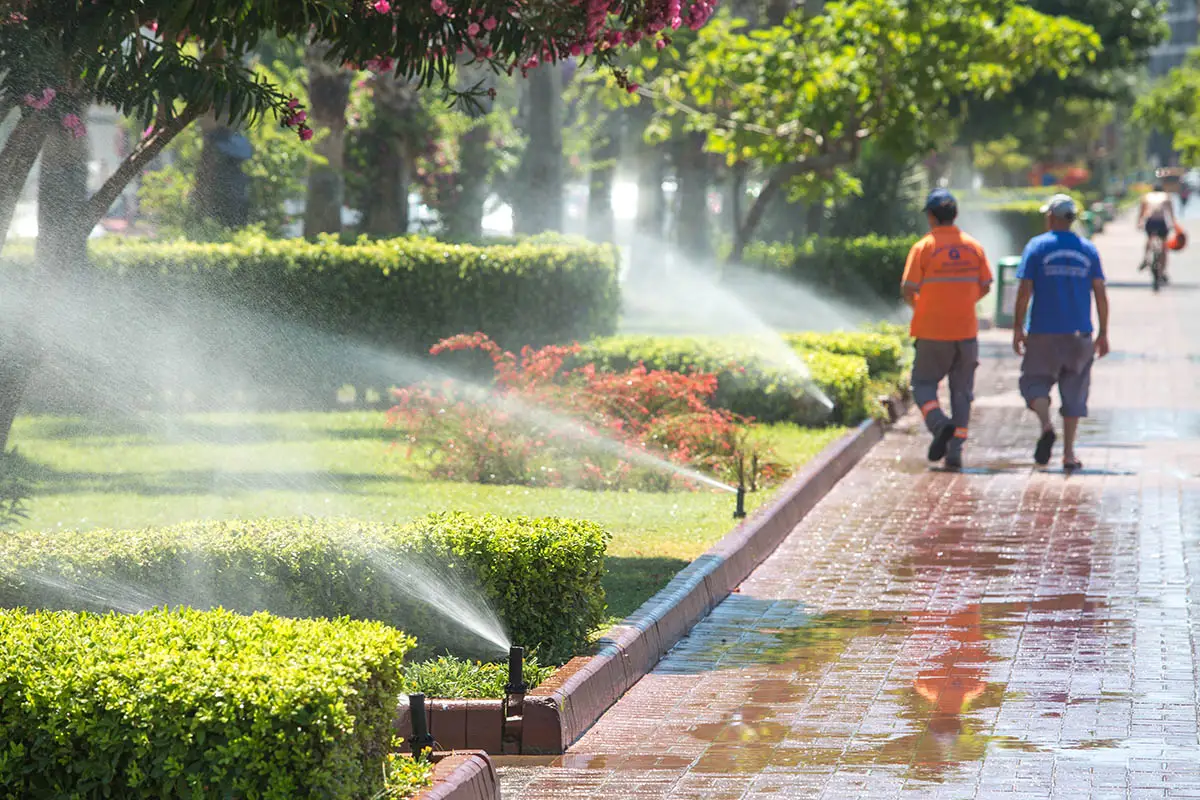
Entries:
{"x":1074,"y":465}
{"x":1045,"y":446}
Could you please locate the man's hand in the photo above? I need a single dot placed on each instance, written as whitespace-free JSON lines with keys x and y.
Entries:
{"x":1019,"y":341}
{"x":1102,"y":345}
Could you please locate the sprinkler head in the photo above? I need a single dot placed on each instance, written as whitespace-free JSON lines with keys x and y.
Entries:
{"x":516,"y":672}
{"x":740,"y":511}
{"x":421,"y":739}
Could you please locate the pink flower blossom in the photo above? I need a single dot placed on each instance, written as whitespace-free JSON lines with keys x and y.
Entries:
{"x":293,"y":103}
{"x":75,"y":125}
{"x":382,"y":6}
{"x":490,"y":24}
{"x":473,"y":29}
{"x":633,"y":87}
{"x":43,"y":102}
{"x":306,"y":133}
{"x":439,"y":7}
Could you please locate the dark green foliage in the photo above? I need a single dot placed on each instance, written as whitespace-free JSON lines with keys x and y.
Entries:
{"x":191,"y":704}
{"x":867,"y":268}
{"x":14,"y":490}
{"x":542,"y":576}
{"x":452,"y":677}
{"x":755,"y":378}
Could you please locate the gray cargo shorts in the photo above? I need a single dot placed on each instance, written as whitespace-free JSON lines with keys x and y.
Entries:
{"x":1058,"y":358}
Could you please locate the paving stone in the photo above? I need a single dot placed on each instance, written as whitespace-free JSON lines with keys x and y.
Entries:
{"x":1005,"y":632}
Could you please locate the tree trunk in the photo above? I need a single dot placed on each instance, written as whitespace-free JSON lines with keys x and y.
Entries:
{"x":60,"y":255}
{"x":691,"y":170}
{"x":16,"y":160}
{"x":602,"y":173}
{"x":396,"y":101}
{"x":651,"y":212}
{"x":464,"y":220}
{"x":539,"y":201}
{"x":328,"y":97}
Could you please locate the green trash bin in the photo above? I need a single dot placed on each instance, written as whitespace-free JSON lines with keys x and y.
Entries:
{"x":1088,"y":220}
{"x":1006,"y":290}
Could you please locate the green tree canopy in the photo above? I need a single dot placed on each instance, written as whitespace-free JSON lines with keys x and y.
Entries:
{"x":166,"y":62}
{"x":798,"y":100}
{"x":1173,"y":107}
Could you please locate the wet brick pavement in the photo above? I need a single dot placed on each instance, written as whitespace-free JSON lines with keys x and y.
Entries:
{"x":1000,"y":633}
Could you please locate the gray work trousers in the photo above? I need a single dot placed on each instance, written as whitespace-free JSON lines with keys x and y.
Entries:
{"x":934,"y":361}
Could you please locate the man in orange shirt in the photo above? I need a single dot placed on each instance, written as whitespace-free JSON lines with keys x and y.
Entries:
{"x":947,"y":273}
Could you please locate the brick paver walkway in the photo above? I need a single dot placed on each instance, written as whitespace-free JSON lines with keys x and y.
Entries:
{"x":1004,"y":632}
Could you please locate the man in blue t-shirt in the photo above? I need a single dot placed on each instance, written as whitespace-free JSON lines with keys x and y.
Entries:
{"x":1060,"y":271}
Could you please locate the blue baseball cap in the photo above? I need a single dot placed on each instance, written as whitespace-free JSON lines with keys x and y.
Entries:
{"x":1061,"y":205}
{"x":940,"y":198}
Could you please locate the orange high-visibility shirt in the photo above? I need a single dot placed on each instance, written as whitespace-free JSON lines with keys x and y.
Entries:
{"x":948,"y":269}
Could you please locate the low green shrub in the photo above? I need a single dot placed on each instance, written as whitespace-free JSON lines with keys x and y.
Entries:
{"x":195,"y":704}
{"x":755,"y":378}
{"x":448,"y":676}
{"x":541,"y":576}
{"x":884,"y":352}
{"x":404,"y":775}
{"x":867,"y":268}
{"x":303,"y":318}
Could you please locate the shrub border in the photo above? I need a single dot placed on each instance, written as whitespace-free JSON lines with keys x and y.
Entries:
{"x":462,"y":775}
{"x":562,"y":709}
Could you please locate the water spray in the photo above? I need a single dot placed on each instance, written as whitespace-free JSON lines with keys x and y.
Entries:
{"x":421,"y":739}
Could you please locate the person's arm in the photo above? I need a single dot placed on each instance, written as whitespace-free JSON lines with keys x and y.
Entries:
{"x":985,"y":275}
{"x":1024,"y":295}
{"x":1141,"y":212}
{"x":910,"y":285}
{"x":1098,"y":288}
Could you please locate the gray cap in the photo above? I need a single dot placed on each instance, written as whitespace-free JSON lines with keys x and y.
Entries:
{"x":1061,"y":205}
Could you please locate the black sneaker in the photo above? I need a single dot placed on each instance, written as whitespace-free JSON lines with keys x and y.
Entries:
{"x":954,"y":461}
{"x":941,"y":441}
{"x":1045,"y":446}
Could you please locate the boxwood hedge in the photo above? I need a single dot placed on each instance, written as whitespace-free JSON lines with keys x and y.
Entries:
{"x":195,"y":704}
{"x":755,"y":377}
{"x":541,"y":576}
{"x":309,"y":317}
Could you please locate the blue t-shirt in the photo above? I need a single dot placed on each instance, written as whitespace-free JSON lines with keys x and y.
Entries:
{"x":1062,"y":267}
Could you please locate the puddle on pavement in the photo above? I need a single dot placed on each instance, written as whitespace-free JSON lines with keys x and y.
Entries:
{"x":1126,"y":426}
{"x":941,"y":706}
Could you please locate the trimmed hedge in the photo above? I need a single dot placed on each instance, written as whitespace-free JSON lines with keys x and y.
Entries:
{"x":313,"y":316}
{"x":752,"y":377}
{"x":542,"y":576}
{"x":885,"y":353}
{"x":868,"y":268}
{"x":195,"y":704}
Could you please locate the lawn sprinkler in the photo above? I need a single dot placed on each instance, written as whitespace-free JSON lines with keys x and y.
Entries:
{"x":516,"y":672}
{"x":740,"y":511}
{"x":421,"y":739}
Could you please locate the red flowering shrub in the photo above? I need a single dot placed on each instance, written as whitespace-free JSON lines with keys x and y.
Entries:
{"x":541,"y":424}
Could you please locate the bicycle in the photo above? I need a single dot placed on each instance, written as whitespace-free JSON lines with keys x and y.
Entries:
{"x":1157,"y":258}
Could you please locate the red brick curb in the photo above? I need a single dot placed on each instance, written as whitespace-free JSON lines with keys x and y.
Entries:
{"x":559,"y":711}
{"x":463,"y":775}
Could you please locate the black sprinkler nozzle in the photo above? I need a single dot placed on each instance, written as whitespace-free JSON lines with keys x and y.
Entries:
{"x":516,"y":672}
{"x":421,"y":739}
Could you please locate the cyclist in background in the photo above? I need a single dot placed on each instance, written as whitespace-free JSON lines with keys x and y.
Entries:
{"x":1157,"y":216}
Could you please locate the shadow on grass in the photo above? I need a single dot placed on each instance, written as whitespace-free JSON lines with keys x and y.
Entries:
{"x":631,"y":581}
{"x":166,"y":431}
{"x":48,"y":481}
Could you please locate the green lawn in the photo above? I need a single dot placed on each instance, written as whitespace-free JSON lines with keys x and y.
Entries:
{"x":155,"y":470}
